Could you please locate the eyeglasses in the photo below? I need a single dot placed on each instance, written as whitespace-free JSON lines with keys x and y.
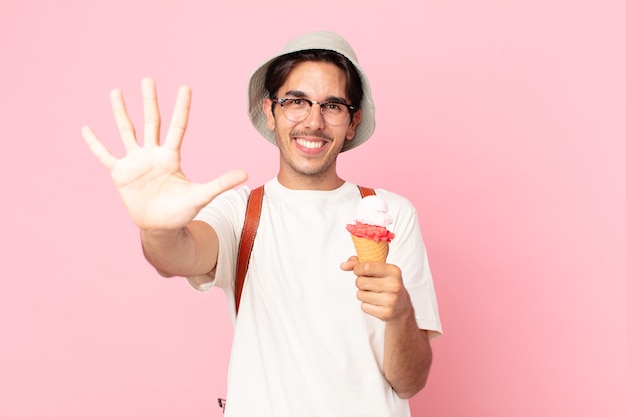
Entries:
{"x":298,"y":109}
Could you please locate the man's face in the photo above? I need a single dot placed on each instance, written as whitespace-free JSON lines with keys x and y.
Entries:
{"x":309,"y":148}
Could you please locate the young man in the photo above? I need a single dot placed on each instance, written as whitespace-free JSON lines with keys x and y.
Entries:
{"x":310,"y":338}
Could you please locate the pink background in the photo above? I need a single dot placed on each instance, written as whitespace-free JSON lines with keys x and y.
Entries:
{"x":503,"y":121}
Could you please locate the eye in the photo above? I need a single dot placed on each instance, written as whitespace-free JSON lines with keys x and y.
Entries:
{"x":296,"y":102}
{"x":334,"y":107}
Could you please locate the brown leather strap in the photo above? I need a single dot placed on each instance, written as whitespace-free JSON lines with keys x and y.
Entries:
{"x":250,"y":225}
{"x":366,"y":191}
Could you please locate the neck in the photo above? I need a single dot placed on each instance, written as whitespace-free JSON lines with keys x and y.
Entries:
{"x":299,"y":181}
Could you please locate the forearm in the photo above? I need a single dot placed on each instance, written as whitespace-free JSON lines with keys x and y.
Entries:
{"x":180,"y":252}
{"x":408,"y":356}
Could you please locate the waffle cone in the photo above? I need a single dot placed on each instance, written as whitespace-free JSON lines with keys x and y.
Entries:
{"x":369,"y":250}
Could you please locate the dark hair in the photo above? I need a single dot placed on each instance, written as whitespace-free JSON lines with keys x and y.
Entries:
{"x":280,"y":68}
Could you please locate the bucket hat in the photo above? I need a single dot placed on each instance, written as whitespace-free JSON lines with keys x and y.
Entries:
{"x":315,"y":40}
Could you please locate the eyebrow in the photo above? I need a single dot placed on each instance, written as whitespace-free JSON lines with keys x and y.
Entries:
{"x":330,"y":99}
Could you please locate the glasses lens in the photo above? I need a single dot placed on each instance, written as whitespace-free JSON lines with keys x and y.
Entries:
{"x":335,"y":113}
{"x":296,"y":109}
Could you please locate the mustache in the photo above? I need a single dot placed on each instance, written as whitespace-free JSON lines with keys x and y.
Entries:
{"x":320,"y":135}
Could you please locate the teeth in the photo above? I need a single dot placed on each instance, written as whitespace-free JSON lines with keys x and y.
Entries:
{"x":310,"y":145}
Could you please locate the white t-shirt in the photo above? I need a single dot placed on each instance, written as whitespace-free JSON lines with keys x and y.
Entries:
{"x":302,"y":345}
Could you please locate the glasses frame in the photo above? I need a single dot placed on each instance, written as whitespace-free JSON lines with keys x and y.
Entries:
{"x":282,"y":100}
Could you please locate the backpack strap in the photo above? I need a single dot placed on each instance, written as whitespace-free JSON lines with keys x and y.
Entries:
{"x":250,"y":225}
{"x":366,"y":191}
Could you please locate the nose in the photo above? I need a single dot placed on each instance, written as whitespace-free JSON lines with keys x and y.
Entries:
{"x":315,"y":119}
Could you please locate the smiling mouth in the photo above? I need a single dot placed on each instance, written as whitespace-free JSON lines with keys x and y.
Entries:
{"x":310,"y":144}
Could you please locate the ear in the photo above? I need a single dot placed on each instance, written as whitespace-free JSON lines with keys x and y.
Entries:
{"x":269,"y":115}
{"x":356,"y":119}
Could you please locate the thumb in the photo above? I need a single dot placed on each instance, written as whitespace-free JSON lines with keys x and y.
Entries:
{"x":208,"y":191}
{"x":349,"y":264}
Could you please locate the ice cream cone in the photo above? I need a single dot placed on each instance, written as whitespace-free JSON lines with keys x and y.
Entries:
{"x":369,"y":250}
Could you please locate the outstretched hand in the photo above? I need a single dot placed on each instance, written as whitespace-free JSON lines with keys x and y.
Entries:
{"x":149,"y":178}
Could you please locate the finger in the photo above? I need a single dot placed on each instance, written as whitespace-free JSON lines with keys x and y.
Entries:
{"x":364,"y":296}
{"x":370,"y":269}
{"x":372,"y":303}
{"x":380,"y":312}
{"x":372,"y":284}
{"x":206,"y":192}
{"x":124,"y":125}
{"x":180,"y":117}
{"x":97,"y":148}
{"x":379,"y":283}
{"x":349,"y":264}
{"x":151,"y":116}
{"x":389,"y":286}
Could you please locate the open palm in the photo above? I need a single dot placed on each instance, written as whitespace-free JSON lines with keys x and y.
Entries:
{"x":149,"y":178}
